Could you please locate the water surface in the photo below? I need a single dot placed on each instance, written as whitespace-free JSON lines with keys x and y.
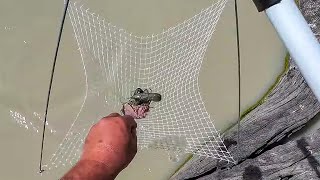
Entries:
{"x":28,"y":32}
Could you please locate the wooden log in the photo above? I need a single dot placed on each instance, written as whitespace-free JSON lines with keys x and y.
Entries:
{"x":288,"y":107}
{"x":295,"y":159}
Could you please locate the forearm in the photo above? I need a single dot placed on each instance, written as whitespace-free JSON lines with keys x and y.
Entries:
{"x":109,"y":147}
{"x":88,"y":169}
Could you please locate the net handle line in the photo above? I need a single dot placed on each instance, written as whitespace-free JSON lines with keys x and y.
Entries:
{"x":239,"y":76}
{"x":66,"y":4}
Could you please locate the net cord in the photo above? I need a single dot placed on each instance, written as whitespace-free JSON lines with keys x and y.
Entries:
{"x":54,"y":63}
{"x":239,"y":77}
{"x":50,"y":84}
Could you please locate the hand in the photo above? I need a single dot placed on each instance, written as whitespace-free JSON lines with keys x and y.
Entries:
{"x":112,"y":142}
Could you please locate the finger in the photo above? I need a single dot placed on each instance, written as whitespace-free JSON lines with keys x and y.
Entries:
{"x":113,"y":115}
{"x":133,"y":145}
{"x":134,"y":131}
{"x":131,"y":123}
{"x":109,"y":117}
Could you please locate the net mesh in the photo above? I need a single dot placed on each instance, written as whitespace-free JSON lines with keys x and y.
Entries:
{"x":117,"y":62}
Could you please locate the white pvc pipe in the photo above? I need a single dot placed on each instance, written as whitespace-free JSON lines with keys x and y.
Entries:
{"x":299,"y":40}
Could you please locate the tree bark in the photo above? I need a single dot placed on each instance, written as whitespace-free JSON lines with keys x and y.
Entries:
{"x":289,"y":106}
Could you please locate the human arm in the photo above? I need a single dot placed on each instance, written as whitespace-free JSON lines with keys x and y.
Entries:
{"x":109,"y":147}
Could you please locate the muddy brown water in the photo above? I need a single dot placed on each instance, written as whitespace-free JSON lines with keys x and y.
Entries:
{"x":28,"y":33}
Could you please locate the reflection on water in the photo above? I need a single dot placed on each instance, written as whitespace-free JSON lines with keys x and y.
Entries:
{"x":34,"y":122}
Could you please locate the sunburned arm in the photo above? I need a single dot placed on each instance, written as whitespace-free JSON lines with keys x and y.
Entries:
{"x":88,"y":169}
{"x":109,"y":148}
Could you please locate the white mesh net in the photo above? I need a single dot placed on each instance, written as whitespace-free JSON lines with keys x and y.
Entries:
{"x":117,"y":62}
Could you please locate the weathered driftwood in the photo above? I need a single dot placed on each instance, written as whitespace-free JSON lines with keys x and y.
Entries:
{"x":295,"y":159}
{"x":289,"y":106}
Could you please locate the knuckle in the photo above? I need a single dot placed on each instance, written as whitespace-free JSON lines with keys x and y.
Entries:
{"x":104,"y":119}
{"x":129,"y":120}
{"x":122,"y":122}
{"x":114,"y":115}
{"x":93,"y":127}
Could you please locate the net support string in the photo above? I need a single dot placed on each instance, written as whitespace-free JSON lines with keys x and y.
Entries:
{"x":239,"y":77}
{"x":51,"y":80}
